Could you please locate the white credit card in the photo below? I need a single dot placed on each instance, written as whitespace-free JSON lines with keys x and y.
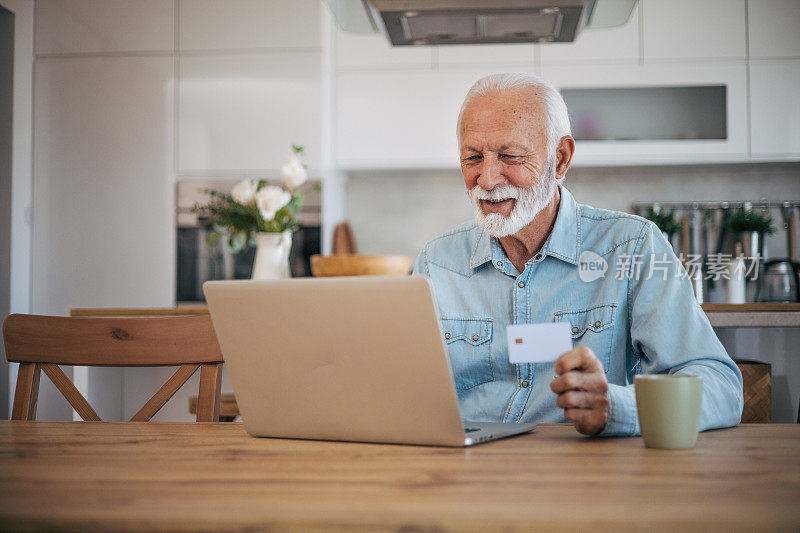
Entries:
{"x":538,"y":343}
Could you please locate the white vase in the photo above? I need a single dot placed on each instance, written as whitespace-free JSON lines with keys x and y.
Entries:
{"x":272,"y":255}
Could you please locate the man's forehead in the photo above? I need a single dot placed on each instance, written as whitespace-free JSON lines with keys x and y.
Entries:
{"x":506,"y":118}
{"x":510,"y":105}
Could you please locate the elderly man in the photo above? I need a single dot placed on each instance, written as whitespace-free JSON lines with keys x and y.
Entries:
{"x":520,"y":262}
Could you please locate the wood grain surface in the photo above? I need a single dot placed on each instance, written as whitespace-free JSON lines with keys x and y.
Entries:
{"x":111,"y":341}
{"x":203,"y":310}
{"x":105,"y":476}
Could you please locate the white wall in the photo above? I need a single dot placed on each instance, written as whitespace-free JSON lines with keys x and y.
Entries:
{"x":21,"y":164}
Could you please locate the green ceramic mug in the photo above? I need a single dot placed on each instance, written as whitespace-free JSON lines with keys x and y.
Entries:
{"x":669,"y":409}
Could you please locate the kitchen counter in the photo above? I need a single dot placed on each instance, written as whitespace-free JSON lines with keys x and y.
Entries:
{"x":753,"y":315}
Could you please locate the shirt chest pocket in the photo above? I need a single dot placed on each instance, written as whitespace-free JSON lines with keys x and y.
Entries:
{"x":592,"y":328}
{"x":468,"y":343}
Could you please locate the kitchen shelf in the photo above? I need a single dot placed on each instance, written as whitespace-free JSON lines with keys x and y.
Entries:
{"x":754,"y":315}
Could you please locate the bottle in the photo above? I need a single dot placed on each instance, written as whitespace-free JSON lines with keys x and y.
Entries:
{"x":736,"y":281}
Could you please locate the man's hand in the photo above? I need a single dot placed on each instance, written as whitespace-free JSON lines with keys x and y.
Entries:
{"x":582,"y":390}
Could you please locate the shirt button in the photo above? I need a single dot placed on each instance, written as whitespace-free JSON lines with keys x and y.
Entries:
{"x":524,"y":384}
{"x":574,"y":330}
{"x":446,"y":335}
{"x":538,"y":257}
{"x":499,"y":263}
{"x":597,"y":324}
{"x":521,"y":284}
{"x":475,"y":337}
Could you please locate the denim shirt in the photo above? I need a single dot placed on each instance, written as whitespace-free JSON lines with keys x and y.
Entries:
{"x":638,"y":317}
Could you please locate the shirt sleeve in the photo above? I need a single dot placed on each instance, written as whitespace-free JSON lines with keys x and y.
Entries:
{"x":670,"y":334}
{"x":420,"y":268}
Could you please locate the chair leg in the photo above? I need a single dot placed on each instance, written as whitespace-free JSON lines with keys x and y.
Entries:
{"x":208,"y":398}
{"x":27,"y":392}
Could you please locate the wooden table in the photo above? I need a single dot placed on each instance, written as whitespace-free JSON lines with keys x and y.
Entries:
{"x":205,"y":477}
{"x":752,"y":315}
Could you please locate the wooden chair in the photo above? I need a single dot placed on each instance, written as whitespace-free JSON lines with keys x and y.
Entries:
{"x":44,"y":342}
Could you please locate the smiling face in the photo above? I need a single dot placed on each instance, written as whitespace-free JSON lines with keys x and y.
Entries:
{"x":504,"y":160}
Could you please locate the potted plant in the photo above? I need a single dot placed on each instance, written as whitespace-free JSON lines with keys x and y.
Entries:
{"x":257,"y":214}
{"x":748,"y":227}
{"x":665,"y":220}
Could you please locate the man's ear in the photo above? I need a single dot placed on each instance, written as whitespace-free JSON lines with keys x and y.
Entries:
{"x":564,"y":153}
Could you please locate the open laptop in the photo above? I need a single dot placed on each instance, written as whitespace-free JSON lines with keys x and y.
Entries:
{"x":351,"y":359}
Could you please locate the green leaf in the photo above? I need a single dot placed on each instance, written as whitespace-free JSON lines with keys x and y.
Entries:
{"x":665,"y":221}
{"x":748,"y":220}
{"x":212,"y":238}
{"x":237,"y":241}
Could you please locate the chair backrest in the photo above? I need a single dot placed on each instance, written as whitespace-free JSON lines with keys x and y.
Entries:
{"x":44,"y":342}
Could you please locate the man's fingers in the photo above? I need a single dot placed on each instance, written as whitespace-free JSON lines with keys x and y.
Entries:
{"x":578,"y":380}
{"x":582,"y":400}
{"x":580,"y":358}
{"x":588,"y":422}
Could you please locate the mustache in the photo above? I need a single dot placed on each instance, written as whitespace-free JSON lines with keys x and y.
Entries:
{"x":502,"y":192}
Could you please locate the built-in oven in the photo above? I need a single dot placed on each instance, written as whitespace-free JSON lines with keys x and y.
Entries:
{"x":197,"y":262}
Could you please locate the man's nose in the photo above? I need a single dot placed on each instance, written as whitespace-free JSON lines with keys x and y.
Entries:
{"x":491,"y":174}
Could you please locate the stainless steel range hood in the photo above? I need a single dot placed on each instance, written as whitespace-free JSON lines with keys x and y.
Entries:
{"x":438,"y":22}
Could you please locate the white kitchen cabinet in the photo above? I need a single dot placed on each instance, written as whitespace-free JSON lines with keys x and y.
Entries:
{"x":693,"y":29}
{"x":775,"y":109}
{"x":103,"y":187}
{"x":732,"y":75}
{"x":249,"y":24}
{"x":242,"y":112}
{"x":774,"y":28}
{"x":611,"y":45}
{"x":100,"y":26}
{"x":400,"y":118}
{"x":508,"y":55}
{"x":373,"y":51}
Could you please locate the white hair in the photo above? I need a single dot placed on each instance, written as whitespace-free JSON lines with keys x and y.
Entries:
{"x":556,"y":115}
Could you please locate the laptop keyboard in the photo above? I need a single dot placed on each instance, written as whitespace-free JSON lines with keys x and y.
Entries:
{"x":470,"y":430}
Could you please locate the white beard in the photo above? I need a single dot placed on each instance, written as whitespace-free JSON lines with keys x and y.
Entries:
{"x":527,"y":203}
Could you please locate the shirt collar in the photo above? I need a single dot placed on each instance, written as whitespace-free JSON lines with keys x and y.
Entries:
{"x":563,"y":243}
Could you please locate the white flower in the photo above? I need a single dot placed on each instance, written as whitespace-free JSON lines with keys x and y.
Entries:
{"x":245,"y":191}
{"x":293,"y":172}
{"x":270,"y":199}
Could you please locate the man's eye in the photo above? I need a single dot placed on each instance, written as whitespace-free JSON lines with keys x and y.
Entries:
{"x":472,"y":158}
{"x":510,"y":156}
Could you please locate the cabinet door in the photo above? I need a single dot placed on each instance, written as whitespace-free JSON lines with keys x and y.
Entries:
{"x":100,"y":26}
{"x":103,"y":184}
{"x":242,"y":112}
{"x":775,"y":109}
{"x":619,"y":152}
{"x":693,"y":29}
{"x":249,"y":24}
{"x":611,"y":45}
{"x":774,"y":28}
{"x":400,"y":118}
